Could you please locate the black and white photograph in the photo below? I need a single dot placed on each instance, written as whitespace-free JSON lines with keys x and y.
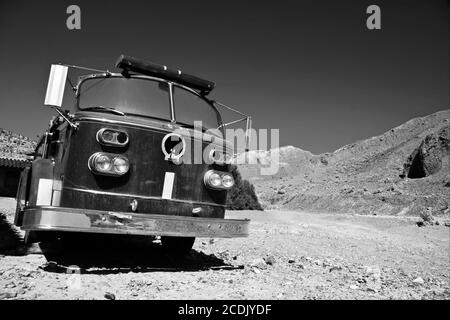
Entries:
{"x":249,"y":152}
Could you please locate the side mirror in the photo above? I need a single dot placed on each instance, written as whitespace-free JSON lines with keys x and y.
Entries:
{"x":56,"y":85}
{"x":55,"y":90}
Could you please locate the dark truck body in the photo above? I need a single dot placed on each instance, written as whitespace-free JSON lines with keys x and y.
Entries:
{"x":60,"y":192}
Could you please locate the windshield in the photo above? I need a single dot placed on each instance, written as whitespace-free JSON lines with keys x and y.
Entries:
{"x":129,"y":95}
{"x":145,"y":97}
{"x":190,"y":107}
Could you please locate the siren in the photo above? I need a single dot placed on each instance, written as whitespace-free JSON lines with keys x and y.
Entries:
{"x":148,"y":68}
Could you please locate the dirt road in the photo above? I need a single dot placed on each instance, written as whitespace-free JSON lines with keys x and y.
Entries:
{"x":289,"y":255}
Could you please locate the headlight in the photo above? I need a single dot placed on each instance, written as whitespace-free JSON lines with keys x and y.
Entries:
{"x":218,"y":180}
{"x":215,"y":180}
{"x":220,"y":158}
{"x":227,"y":181}
{"x":112,"y":137}
{"x":102,"y":163}
{"x":121,"y":165}
{"x":108,"y":164}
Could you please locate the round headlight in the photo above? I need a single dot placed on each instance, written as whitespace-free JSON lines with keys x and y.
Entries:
{"x":121,"y":165}
{"x":102,"y":163}
{"x":108,"y":136}
{"x":227,"y":181}
{"x":220,"y":158}
{"x":215,"y":180}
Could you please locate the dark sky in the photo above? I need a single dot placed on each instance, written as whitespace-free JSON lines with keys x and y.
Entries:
{"x":310,"y":68}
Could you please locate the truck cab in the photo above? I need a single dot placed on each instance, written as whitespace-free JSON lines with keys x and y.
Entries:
{"x":142,"y":153}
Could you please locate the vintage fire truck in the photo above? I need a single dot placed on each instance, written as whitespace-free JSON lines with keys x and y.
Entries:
{"x":115,"y":162}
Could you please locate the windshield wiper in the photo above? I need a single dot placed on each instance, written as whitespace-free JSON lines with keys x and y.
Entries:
{"x":106,"y":109}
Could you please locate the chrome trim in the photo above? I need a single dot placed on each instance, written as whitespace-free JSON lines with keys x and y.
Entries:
{"x":99,"y":221}
{"x":169,"y":128}
{"x":106,"y":193}
{"x":171,"y":157}
{"x":172,"y":106}
{"x":109,"y":143}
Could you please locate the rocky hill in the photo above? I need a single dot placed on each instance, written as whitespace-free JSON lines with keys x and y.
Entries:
{"x":14,"y":145}
{"x":404,"y":171}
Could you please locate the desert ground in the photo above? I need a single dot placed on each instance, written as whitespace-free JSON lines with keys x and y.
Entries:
{"x":288,"y":255}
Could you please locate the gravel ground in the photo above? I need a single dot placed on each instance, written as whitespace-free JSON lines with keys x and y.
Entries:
{"x":289,"y":255}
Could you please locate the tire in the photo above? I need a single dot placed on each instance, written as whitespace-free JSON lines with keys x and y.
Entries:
{"x":177,"y":246}
{"x":40,"y":236}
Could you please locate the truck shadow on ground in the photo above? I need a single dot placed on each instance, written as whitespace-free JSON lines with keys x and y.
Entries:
{"x":111,"y":255}
{"x":106,"y":254}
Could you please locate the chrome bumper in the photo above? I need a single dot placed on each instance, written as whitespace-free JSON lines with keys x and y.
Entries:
{"x":95,"y":221}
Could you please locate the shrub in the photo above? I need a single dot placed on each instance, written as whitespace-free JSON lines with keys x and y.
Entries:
{"x":242,"y":196}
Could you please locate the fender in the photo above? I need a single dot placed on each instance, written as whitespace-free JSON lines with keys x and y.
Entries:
{"x":22,"y":195}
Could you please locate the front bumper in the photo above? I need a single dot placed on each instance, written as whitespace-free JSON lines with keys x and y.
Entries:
{"x":47,"y":218}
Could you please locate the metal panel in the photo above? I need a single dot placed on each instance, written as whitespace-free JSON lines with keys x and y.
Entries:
{"x":147,"y":165}
{"x":56,"y":85}
{"x":168,"y":185}
{"x":44,"y":192}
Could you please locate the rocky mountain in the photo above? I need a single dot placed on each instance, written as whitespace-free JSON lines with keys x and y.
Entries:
{"x":402,"y":171}
{"x":289,"y":159}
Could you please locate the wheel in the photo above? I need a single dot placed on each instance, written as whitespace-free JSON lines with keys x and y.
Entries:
{"x":178,"y":246}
